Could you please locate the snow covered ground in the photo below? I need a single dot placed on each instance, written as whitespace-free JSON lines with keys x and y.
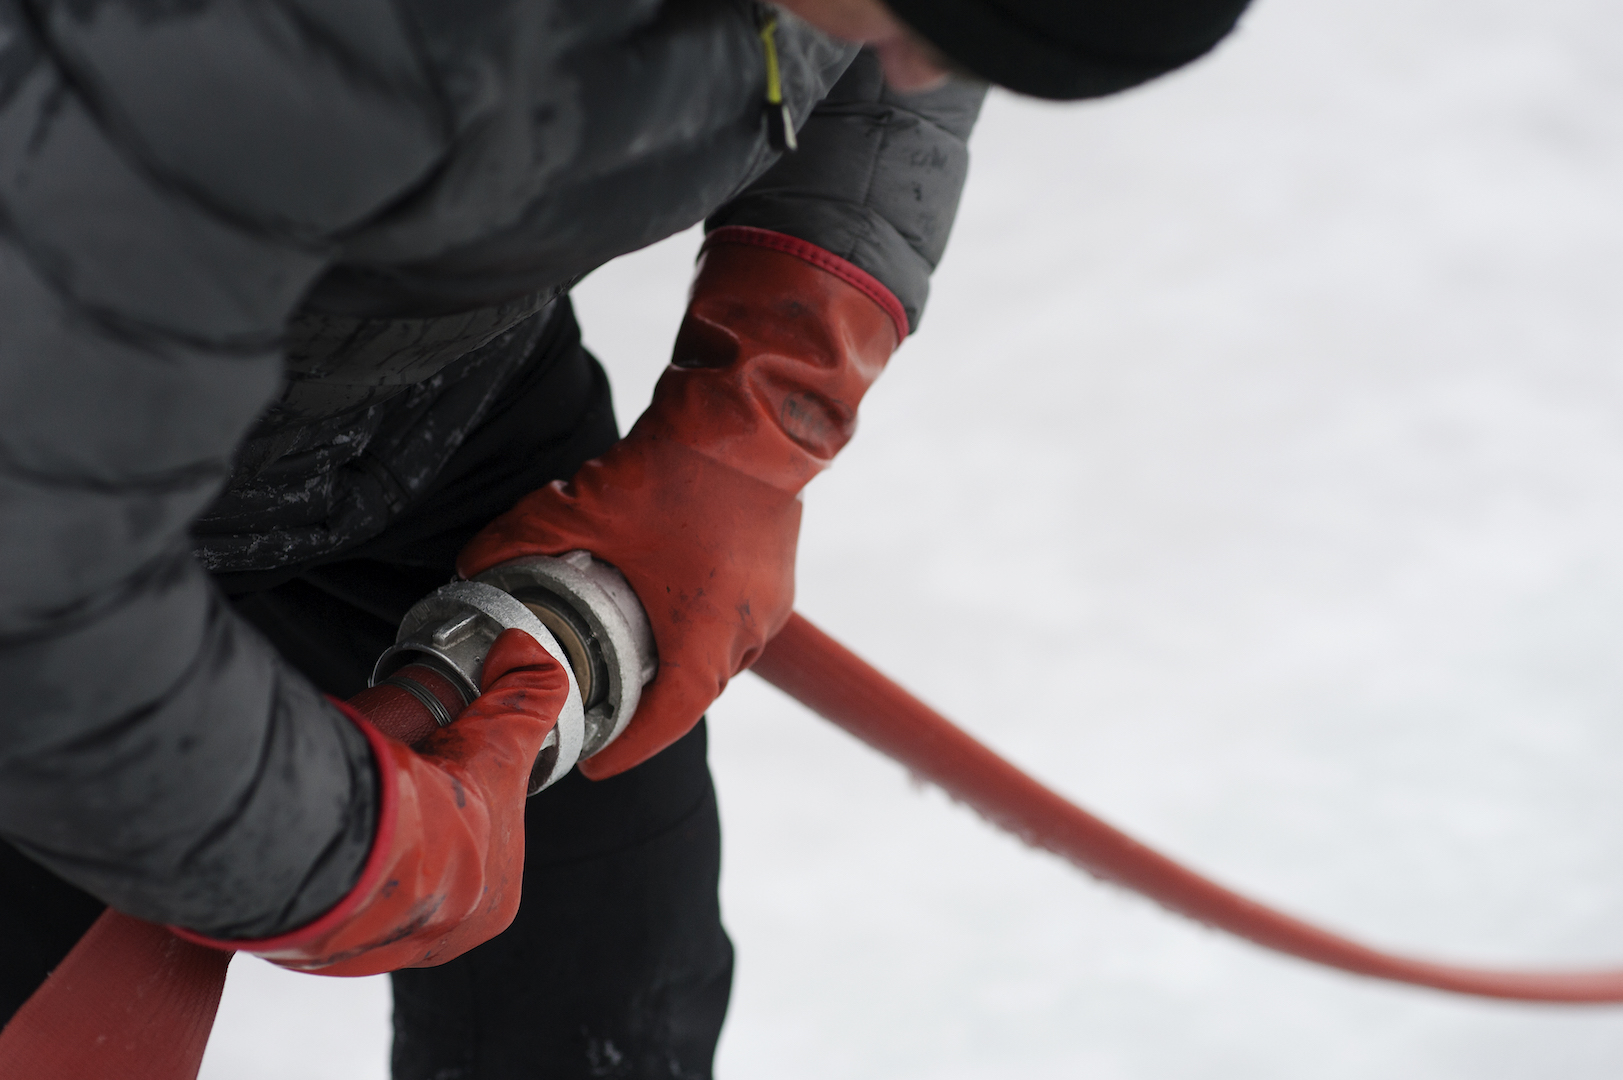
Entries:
{"x":1255,"y":481}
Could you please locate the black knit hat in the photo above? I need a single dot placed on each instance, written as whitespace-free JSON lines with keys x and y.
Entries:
{"x":1067,"y":49}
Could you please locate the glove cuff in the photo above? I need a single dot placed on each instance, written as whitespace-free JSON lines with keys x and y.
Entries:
{"x":848,"y":272}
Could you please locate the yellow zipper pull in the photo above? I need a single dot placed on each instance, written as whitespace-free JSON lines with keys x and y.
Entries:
{"x":780,"y":127}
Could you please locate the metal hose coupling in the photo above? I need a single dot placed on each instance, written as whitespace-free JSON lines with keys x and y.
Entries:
{"x":580,"y":609}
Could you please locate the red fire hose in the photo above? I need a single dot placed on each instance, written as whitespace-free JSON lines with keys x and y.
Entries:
{"x":818,"y":671}
{"x":133,"y":1001}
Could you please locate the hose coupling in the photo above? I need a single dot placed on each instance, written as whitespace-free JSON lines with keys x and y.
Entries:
{"x":579,"y":608}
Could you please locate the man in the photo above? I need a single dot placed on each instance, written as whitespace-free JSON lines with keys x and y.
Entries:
{"x":288,"y":342}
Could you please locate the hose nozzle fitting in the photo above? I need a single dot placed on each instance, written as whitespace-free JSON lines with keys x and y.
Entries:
{"x":581,"y":610}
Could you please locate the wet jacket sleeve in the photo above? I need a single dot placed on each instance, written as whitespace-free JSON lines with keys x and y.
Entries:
{"x":876,"y":179}
{"x":161,"y":218}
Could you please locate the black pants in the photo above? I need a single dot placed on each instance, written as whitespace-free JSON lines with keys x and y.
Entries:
{"x":617,"y":965}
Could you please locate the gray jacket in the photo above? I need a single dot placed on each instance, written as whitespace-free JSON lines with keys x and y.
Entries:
{"x":265,"y":264}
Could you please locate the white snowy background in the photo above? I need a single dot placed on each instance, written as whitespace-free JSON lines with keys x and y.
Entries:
{"x":1255,"y":481}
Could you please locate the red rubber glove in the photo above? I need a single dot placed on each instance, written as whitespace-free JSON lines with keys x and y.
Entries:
{"x":447,"y":861}
{"x":699,"y":505}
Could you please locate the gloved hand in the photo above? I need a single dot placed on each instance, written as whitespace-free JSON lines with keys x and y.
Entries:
{"x":448,"y":857}
{"x":699,"y":505}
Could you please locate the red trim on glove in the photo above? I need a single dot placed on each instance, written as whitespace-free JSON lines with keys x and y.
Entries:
{"x":847,"y":272}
